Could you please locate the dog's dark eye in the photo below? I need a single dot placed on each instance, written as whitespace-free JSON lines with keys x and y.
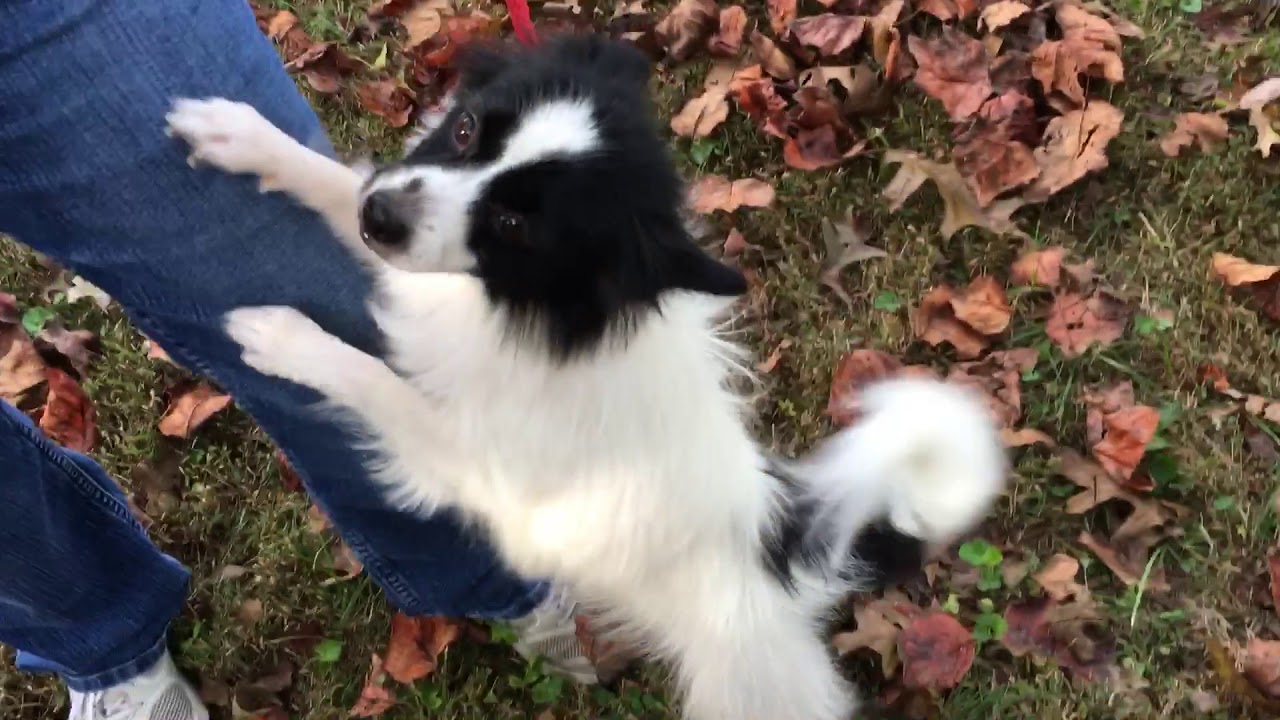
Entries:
{"x":464,"y":130}
{"x":510,"y":226}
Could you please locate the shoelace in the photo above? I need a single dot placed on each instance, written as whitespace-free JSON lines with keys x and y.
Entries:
{"x":103,"y":705}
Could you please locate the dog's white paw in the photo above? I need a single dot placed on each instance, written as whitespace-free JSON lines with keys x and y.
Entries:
{"x":282,"y":342}
{"x":231,"y":136}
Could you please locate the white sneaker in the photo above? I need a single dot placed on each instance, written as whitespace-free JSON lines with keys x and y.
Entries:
{"x":559,"y":631}
{"x":158,"y":694}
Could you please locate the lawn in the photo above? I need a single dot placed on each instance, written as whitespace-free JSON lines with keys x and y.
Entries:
{"x":271,"y":620}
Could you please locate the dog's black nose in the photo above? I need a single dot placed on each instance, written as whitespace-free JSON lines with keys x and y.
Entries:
{"x":387,"y":218}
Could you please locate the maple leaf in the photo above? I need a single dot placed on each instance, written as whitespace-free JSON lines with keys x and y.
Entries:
{"x":1039,"y":268}
{"x":1204,"y":129}
{"x":1001,"y":13}
{"x":936,"y":651}
{"x":934,"y":321}
{"x":781,"y":14}
{"x":1058,"y":578}
{"x":387,"y":99}
{"x":686,"y":28}
{"x":828,"y":33}
{"x":415,"y":645}
{"x":375,"y":697}
{"x":727,"y":41}
{"x":775,"y":62}
{"x":845,"y":243}
{"x":716,"y":192}
{"x":983,"y":306}
{"x":190,"y":406}
{"x":857,"y":369}
{"x":954,"y":69}
{"x":961,"y":206}
{"x":68,"y":418}
{"x":1078,"y":321}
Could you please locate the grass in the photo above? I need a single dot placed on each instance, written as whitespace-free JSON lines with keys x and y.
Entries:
{"x":1151,"y":224}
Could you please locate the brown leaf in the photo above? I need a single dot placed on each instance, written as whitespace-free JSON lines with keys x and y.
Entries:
{"x":251,"y":612}
{"x":288,"y":476}
{"x":1001,"y":13}
{"x":687,"y":27}
{"x":375,"y":697}
{"x":1123,"y":567}
{"x":21,"y":367}
{"x":1097,"y":486}
{"x":1076,"y":321}
{"x":727,"y":42}
{"x":1126,"y":436}
{"x":1067,"y":633}
{"x":948,"y":9}
{"x":735,"y":244}
{"x":1039,"y":268}
{"x":857,"y":370}
{"x":317,"y":521}
{"x":1262,"y":666}
{"x":1260,"y":95}
{"x":704,"y":113}
{"x":1266,"y":129}
{"x":1273,"y":570}
{"x":1058,"y":65}
{"x":934,"y":321}
{"x":954,"y":69}
{"x":1074,"y":145}
{"x":154,"y":351}
{"x":781,"y":14}
{"x":68,"y":417}
{"x":1023,"y":437}
{"x":423,"y":21}
{"x":156,"y":480}
{"x":876,"y":631}
{"x":281,"y":23}
{"x":766,"y":366}
{"x":983,"y":306}
{"x":775,"y":62}
{"x":716,"y":192}
{"x":1204,"y":129}
{"x":413,"y":650}
{"x":70,"y":350}
{"x":961,"y":207}
{"x":936,"y":651}
{"x":1237,"y":683}
{"x":1080,"y":25}
{"x":817,"y":148}
{"x":190,"y":407}
{"x":1236,"y":271}
{"x":845,"y":243}
{"x":1058,"y":578}
{"x":345,"y":561}
{"x":994,"y":164}
{"x":388,"y":100}
{"x":829,"y":33}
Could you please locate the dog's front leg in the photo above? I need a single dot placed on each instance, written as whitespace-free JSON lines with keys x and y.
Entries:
{"x":399,"y":421}
{"x":234,"y":137}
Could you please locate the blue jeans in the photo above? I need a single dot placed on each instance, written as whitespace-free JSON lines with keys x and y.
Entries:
{"x":88,"y":177}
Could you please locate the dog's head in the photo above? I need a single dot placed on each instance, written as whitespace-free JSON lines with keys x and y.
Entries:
{"x":547,"y":179}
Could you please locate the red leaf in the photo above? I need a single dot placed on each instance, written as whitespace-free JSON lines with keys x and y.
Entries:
{"x":936,"y":652}
{"x":68,"y":417}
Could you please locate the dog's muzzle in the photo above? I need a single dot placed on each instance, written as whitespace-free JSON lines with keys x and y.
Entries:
{"x":387,"y":218}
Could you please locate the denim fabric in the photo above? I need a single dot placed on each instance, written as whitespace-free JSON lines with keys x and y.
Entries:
{"x":88,"y":177}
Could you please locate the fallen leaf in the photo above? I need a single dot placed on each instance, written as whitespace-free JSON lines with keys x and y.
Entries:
{"x":1122,"y":25}
{"x":954,"y":69}
{"x":1078,"y":24}
{"x":934,"y":321}
{"x":1125,"y":438}
{"x":154,"y":351}
{"x":423,"y":21}
{"x":846,"y":244}
{"x":1097,"y":486}
{"x":69,"y":350}
{"x":1058,"y":65}
{"x":961,"y":206}
{"x":1262,"y":666}
{"x":993,"y":163}
{"x":1239,"y":684}
{"x":687,"y":27}
{"x":1273,"y":571}
{"x":1023,"y":437}
{"x":1058,"y":578}
{"x":1129,"y":548}
{"x":735,"y":244}
{"x":1074,"y":145}
{"x":1267,"y":135}
{"x":232,"y":572}
{"x":413,"y":650}
{"x":983,"y":306}
{"x":1265,"y":92}
{"x":998,"y":14}
{"x":21,"y":367}
{"x":251,"y":612}
{"x":156,"y":480}
{"x":998,"y":378}
{"x":766,"y":366}
{"x":948,"y":9}
{"x":81,"y":288}
{"x":1236,"y":271}
{"x":775,"y":62}
{"x":1039,"y":268}
{"x":874,"y":630}
{"x":857,"y":370}
{"x":716,"y":192}
{"x":190,"y":407}
{"x":936,"y":651}
{"x":375,"y":697}
{"x":704,"y":113}
{"x":1203,"y":129}
{"x":317,"y":520}
{"x":288,"y":476}
{"x":345,"y":561}
{"x":68,"y":418}
{"x":387,"y":99}
{"x":781,"y":14}
{"x":830,"y":34}
{"x":281,"y":23}
{"x":1066,"y":633}
{"x":215,"y":692}
{"x":1077,"y":321}
{"x":817,"y":148}
{"x":727,"y":42}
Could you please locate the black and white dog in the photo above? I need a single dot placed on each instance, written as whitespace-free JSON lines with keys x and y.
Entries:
{"x":556,"y":371}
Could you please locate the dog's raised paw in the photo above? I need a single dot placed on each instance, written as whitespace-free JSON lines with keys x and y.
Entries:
{"x":229,"y":135}
{"x":278,"y":341}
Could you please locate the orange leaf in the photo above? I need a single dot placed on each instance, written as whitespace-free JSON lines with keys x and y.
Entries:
{"x":716,"y":192}
{"x":1126,"y":436}
{"x":1204,"y":129}
{"x":190,"y":408}
{"x":727,"y":42}
{"x":68,"y":417}
{"x":1039,"y":268}
{"x":935,"y":322}
{"x":983,"y":306}
{"x":375,"y":697}
{"x":1236,"y":271}
{"x":388,"y":100}
{"x":1076,"y":322}
{"x":413,"y":651}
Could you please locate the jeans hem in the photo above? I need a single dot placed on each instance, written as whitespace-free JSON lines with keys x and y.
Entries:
{"x":121,"y":673}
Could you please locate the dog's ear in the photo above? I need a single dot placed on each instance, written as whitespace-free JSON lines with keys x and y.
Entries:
{"x":480,"y":62}
{"x":614,"y":59}
{"x":687,"y":267}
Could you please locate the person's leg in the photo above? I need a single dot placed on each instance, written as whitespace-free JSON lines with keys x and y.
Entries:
{"x":88,"y":177}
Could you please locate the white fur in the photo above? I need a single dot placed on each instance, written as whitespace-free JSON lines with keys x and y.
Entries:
{"x":629,"y":476}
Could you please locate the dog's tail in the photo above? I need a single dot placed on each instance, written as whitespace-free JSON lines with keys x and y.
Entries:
{"x":923,"y":464}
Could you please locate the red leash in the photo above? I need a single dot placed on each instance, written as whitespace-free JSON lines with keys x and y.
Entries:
{"x":521,"y":22}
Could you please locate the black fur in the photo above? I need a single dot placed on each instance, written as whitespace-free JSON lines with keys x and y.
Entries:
{"x":578,"y":247}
